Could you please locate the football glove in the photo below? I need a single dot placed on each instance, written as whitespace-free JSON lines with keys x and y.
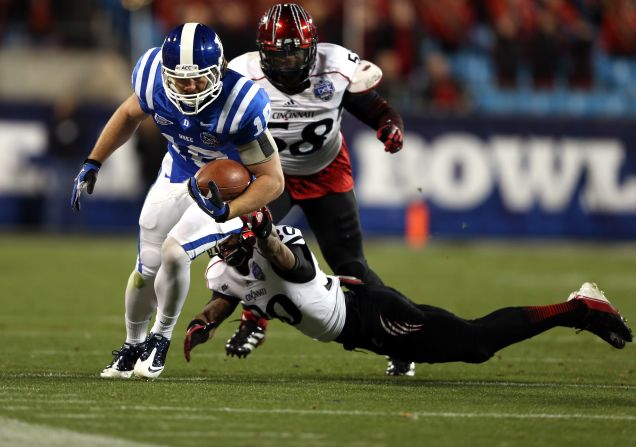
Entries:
{"x":211,"y":204}
{"x":198,"y":332}
{"x":261,"y":222}
{"x":85,"y":180}
{"x":391,"y":136}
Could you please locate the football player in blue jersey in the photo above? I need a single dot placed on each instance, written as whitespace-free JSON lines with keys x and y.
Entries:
{"x":205,"y":111}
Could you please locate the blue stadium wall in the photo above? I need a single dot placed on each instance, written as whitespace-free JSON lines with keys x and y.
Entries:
{"x":505,"y":176}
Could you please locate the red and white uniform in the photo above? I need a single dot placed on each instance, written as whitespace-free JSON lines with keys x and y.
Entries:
{"x":306,"y":126}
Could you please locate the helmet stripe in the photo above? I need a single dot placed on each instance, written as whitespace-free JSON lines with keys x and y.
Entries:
{"x":186,"y":56}
{"x":296,"y":16}
{"x":277,"y":11}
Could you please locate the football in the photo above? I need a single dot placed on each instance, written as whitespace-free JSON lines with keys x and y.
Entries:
{"x":231,"y":177}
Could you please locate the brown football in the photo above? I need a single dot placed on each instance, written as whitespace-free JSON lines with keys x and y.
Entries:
{"x":231,"y":177}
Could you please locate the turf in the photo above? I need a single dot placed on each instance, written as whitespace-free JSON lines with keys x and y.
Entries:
{"x":62,"y":314}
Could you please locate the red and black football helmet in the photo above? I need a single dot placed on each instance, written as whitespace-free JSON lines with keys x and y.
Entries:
{"x":237,"y":249}
{"x":287,"y":40}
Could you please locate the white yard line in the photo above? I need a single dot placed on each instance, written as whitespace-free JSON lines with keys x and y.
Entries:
{"x":433,"y":414}
{"x":384,"y":414}
{"x":378,"y":381}
{"x":13,"y":433}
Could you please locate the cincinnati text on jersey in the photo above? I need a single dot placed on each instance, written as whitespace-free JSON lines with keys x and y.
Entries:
{"x":291,"y":114}
{"x":255,"y":294}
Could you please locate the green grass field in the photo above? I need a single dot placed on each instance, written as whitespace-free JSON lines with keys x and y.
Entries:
{"x":62,"y":314}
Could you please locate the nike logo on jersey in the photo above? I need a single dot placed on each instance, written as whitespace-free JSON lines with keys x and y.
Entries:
{"x":163,"y":121}
{"x":396,"y":328}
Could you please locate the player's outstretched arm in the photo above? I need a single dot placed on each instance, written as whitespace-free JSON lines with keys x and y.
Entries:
{"x":373,"y":110}
{"x":203,"y":325}
{"x":119,"y":128}
{"x":267,"y":240}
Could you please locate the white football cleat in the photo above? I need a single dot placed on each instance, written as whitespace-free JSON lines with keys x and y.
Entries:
{"x":602,"y":319}
{"x":153,"y":357}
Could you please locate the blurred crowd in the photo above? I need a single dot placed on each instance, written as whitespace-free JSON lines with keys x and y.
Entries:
{"x":446,"y":51}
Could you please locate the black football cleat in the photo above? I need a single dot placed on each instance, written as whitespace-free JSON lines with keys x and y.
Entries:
{"x":123,"y":362}
{"x":247,"y":337}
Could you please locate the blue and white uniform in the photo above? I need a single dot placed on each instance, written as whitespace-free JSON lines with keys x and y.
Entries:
{"x":238,"y":116}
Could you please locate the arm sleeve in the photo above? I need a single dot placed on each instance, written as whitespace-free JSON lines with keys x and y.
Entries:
{"x":303,"y":269}
{"x":371,"y":109}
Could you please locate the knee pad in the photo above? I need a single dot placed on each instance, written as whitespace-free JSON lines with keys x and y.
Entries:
{"x":149,"y":259}
{"x":173,"y":254}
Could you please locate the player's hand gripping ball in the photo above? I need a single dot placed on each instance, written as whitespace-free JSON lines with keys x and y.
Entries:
{"x":217,"y":182}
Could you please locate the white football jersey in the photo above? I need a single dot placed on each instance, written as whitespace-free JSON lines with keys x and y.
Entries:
{"x":316,"y":308}
{"x":306,"y":126}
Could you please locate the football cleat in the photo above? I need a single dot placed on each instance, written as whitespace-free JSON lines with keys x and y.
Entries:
{"x":123,"y":362}
{"x":153,"y":357}
{"x":397,"y":367}
{"x":602,"y":319}
{"x":247,"y":337}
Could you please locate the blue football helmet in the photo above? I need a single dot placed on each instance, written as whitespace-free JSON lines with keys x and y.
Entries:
{"x":192,"y":51}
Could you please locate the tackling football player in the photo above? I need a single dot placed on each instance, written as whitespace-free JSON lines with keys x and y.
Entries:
{"x":282,"y":279}
{"x":309,"y":83}
{"x":205,"y":111}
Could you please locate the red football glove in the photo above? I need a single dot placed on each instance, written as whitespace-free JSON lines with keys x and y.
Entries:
{"x":198,"y":332}
{"x":260,"y":221}
{"x":391,"y":136}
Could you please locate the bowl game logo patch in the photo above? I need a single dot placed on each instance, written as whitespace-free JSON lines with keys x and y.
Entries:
{"x":324,"y":90}
{"x":209,"y":139}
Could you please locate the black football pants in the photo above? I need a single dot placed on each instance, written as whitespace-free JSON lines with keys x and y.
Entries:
{"x":335,"y":222}
{"x":382,"y":320}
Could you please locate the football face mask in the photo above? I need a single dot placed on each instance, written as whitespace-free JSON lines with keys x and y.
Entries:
{"x":192,"y":67}
{"x":237,"y":249}
{"x":287,"y":41}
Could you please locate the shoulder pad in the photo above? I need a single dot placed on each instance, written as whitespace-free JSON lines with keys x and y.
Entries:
{"x":290,"y":235}
{"x":216,"y":268}
{"x":147,"y":71}
{"x":246,"y":64}
{"x":366,"y":77}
